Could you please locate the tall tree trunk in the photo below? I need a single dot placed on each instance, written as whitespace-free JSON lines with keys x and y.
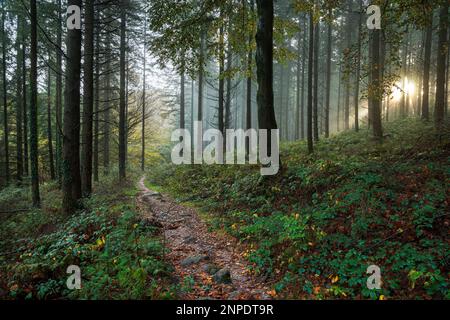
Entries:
{"x":228,"y":116}
{"x":447,"y":70}
{"x":419,"y":69}
{"x":220,"y":120}
{"x":122,"y":121}
{"x":309,"y":133}
{"x":358,"y":71}
{"x":349,"y":25}
{"x":24,"y":108}
{"x":5,"y":95}
{"x":442,"y":52}
{"x":182,"y":100}
{"x":316,"y":81}
{"x":375,"y":94}
{"x":300,"y":58}
{"x":88,"y":99}
{"x":49,"y":126}
{"x":144,"y":97}
{"x":286,"y":113}
{"x":279,"y":111}
{"x":96,"y":105}
{"x":426,"y":73}
{"x":328,"y":80}
{"x":71,"y":184}
{"x":338,"y":109}
{"x":302,"y":107}
{"x":59,"y":95}
{"x":33,"y":109}
{"x":264,"y":63}
{"x":107,"y":111}
{"x":248,"y":113}
{"x":19,"y":103}
{"x":403,"y":102}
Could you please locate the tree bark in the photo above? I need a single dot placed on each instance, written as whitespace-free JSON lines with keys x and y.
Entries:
{"x":19,"y":103}
{"x":24,"y":108}
{"x":375,"y":90}
{"x":358,"y":71}
{"x":59,"y":95}
{"x":316,"y":81}
{"x":309,"y":133}
{"x":426,"y":73}
{"x":442,"y":52}
{"x":33,"y":109}
{"x":71,"y":184}
{"x":122,"y":121}
{"x":49,"y":126}
{"x":328,"y":80}
{"x":88,"y":99}
{"x":220,"y":120}
{"x":248,"y":113}
{"x":348,"y":35}
{"x":264,"y":63}
{"x":144,"y":97}
{"x":5,"y":96}
{"x":107,"y":112}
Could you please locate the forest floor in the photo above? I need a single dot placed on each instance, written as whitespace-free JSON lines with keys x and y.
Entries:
{"x":226,"y":232}
{"x":313,"y":230}
{"x":211,"y":264}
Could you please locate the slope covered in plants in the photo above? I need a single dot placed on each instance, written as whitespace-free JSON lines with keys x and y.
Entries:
{"x":314,"y":229}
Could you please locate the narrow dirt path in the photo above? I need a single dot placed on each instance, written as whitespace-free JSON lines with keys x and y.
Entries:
{"x":215,"y":262}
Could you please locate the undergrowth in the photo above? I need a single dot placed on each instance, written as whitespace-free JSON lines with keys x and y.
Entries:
{"x":119,"y":256}
{"x":316,"y":227}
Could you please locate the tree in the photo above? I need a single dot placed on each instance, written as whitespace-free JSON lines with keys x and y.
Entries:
{"x":5,"y":94}
{"x":264,"y":65}
{"x":349,"y":24}
{"x":309,"y":133}
{"x":88,"y":99}
{"x":144,"y":96}
{"x":49,"y":126}
{"x":375,"y":90}
{"x":106,"y":112}
{"x":96,"y":105}
{"x":426,"y":72}
{"x":59,"y":94}
{"x":122,"y":117}
{"x":248,"y":113}
{"x":71,"y":182}
{"x":316,"y":80}
{"x":358,"y":70}
{"x":442,"y":52}
{"x":33,"y":109}
{"x":19,"y":102}
{"x":328,"y":81}
{"x":24,"y":105}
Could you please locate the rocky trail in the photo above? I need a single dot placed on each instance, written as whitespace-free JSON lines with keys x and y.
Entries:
{"x":210,"y":264}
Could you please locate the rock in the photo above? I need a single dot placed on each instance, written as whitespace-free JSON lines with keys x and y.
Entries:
{"x":151,"y":222}
{"x":222,"y":276}
{"x":211,"y":268}
{"x":194,"y":260}
{"x":151,"y":195}
{"x":189,"y":239}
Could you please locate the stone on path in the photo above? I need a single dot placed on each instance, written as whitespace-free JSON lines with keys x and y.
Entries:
{"x":222,"y":276}
{"x":194,"y":260}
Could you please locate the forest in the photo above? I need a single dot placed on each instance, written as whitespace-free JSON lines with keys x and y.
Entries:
{"x":353,"y":96}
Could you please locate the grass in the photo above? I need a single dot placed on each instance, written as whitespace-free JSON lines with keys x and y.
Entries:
{"x":316,"y":227}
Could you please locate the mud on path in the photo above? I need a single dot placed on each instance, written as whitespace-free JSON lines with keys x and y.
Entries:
{"x":215,"y":262}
